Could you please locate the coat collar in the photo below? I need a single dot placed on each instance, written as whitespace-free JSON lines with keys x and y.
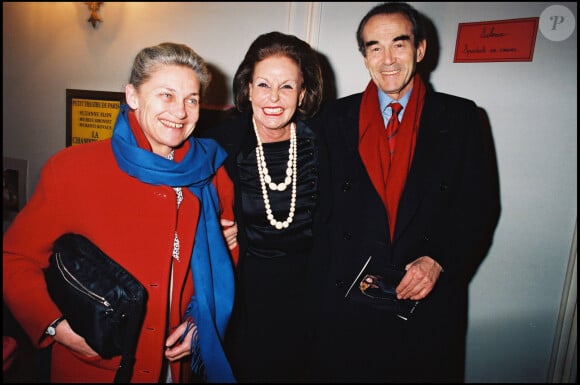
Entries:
{"x":428,"y":139}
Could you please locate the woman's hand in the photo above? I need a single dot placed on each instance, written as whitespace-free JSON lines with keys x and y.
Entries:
{"x":66,"y":336}
{"x":175,"y":350}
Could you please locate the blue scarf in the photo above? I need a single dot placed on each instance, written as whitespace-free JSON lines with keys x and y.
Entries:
{"x":211,"y":267}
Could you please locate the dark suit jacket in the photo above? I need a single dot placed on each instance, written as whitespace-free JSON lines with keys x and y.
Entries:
{"x":448,"y":210}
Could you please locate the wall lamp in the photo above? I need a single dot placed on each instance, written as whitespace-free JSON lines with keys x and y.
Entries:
{"x":94,"y":7}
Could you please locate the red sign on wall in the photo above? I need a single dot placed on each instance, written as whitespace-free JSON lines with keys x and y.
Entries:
{"x":496,"y":41}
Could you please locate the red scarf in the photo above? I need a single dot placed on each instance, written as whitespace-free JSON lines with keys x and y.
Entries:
{"x":389,"y":179}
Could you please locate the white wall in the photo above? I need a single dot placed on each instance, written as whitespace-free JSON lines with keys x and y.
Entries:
{"x":516,"y":294}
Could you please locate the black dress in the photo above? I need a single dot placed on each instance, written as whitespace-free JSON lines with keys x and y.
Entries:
{"x":267,"y":330}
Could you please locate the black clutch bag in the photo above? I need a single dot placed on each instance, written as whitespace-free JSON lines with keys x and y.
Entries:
{"x":100,"y":300}
{"x":376,"y":287}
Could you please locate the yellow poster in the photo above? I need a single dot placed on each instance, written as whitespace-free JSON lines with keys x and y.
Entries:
{"x":92,"y":119}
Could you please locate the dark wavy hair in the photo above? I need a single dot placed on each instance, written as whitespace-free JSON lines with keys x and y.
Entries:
{"x":387,"y":9}
{"x":277,"y":43}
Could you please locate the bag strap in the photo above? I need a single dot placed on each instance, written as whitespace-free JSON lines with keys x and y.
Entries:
{"x":132,"y":331}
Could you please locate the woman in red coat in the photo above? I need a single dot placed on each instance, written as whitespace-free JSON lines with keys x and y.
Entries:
{"x":138,"y":196}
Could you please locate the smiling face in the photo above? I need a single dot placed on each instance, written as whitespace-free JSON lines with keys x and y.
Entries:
{"x":390,"y":54}
{"x":275,"y":92}
{"x":166,"y":106}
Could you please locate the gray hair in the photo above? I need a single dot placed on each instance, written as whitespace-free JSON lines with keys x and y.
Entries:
{"x":149,"y":59}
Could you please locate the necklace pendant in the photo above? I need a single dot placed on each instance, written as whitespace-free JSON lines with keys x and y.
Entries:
{"x":277,"y":187}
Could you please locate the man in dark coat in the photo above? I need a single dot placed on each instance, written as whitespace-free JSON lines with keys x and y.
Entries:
{"x":426,"y":205}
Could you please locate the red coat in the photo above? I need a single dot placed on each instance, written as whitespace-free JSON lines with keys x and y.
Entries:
{"x":82,"y":190}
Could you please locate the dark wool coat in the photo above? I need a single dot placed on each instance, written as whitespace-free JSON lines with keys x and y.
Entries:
{"x":448,"y":211}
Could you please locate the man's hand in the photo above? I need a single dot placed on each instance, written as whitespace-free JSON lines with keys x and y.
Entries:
{"x":420,"y":279}
{"x":230,"y":230}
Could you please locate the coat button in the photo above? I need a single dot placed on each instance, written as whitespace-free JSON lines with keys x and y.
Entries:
{"x":339,"y":283}
{"x":443,"y":186}
{"x":346,"y":186}
{"x":346,"y":236}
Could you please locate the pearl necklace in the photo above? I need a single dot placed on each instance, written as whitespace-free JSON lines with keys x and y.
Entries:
{"x":266,"y":180}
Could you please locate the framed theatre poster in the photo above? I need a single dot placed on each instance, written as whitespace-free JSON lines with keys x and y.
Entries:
{"x":91,"y":115}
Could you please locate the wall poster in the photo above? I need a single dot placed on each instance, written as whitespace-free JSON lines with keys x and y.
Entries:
{"x":510,"y":40}
{"x":91,"y":115}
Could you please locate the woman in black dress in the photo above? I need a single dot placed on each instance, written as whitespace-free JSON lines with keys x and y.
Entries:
{"x":273,"y":160}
